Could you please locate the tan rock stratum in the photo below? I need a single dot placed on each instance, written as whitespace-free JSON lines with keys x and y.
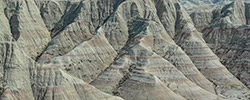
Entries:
{"x":116,"y":50}
{"x":227,"y":32}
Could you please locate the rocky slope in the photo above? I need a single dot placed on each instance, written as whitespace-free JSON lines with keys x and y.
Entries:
{"x":108,"y":50}
{"x":203,"y":5}
{"x":227,"y":33}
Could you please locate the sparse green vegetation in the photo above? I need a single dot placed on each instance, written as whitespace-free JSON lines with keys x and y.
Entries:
{"x":234,"y":85}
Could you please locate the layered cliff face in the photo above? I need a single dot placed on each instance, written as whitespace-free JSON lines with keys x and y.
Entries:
{"x":108,"y":50}
{"x":227,"y":34}
{"x":203,"y":5}
{"x":231,"y":15}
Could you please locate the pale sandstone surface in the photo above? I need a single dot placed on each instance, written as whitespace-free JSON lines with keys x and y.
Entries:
{"x":108,"y":50}
{"x":205,"y":60}
{"x":27,"y":26}
{"x":138,"y":55}
{"x":228,"y":36}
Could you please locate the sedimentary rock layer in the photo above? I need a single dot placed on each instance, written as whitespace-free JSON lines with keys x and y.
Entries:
{"x":228,"y":36}
{"x":108,"y":50}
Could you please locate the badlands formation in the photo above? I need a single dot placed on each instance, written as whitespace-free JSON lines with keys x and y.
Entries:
{"x":122,"y":50}
{"x":226,"y":31}
{"x":203,"y":5}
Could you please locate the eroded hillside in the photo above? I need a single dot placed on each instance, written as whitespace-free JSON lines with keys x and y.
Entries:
{"x":226,"y":30}
{"x":108,"y":50}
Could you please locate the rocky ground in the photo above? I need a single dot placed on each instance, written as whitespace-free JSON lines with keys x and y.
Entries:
{"x":122,"y":50}
{"x":226,"y":30}
{"x":203,"y":5}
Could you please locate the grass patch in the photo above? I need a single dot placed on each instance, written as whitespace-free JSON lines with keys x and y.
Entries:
{"x":234,"y":85}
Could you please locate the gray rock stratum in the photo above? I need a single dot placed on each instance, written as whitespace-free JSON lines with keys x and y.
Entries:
{"x":227,"y":32}
{"x":111,"y":50}
{"x":203,"y":5}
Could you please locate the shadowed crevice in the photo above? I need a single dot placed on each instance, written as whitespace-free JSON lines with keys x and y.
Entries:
{"x":67,"y":19}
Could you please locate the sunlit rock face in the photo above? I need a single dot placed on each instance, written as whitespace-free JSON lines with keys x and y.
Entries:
{"x":117,"y":50}
{"x":227,"y":33}
{"x":203,"y":5}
